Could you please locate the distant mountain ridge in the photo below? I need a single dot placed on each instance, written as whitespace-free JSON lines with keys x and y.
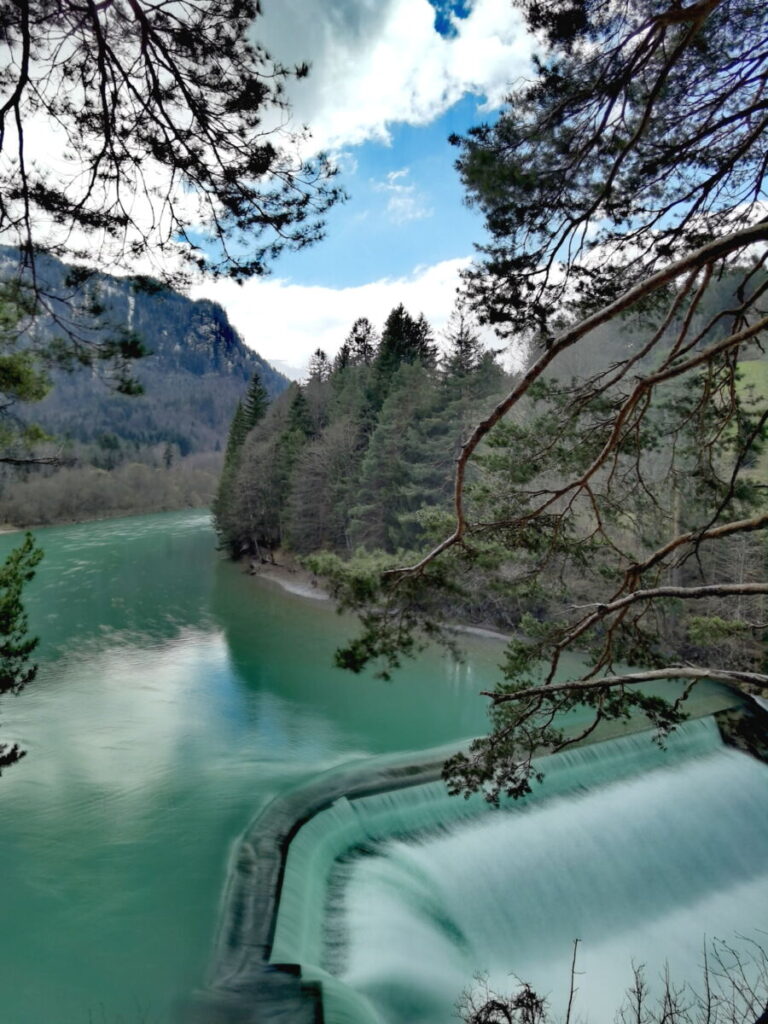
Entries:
{"x":198,"y":369}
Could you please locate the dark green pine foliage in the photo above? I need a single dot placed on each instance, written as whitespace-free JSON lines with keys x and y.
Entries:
{"x":464,"y":352}
{"x":343,"y":358}
{"x":299,"y":430}
{"x":247,"y":414}
{"x":362,"y":342}
{"x":403,"y":340}
{"x":255,"y":402}
{"x":299,"y":417}
{"x":16,"y":645}
{"x":330,"y":469}
{"x":425,"y":339}
{"x":407,"y":467}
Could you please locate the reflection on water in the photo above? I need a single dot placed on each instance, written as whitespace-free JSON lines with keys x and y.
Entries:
{"x":175,"y":697}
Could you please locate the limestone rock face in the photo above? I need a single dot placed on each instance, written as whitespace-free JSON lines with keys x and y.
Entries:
{"x":197,"y":371}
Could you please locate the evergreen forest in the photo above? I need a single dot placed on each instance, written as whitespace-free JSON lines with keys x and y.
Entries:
{"x":362,"y":453}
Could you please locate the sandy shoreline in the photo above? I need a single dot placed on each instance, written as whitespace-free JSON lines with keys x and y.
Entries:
{"x":291,"y":578}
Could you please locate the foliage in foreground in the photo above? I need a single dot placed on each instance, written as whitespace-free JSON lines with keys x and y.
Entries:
{"x":733,"y":990}
{"x":614,"y":499}
{"x":16,"y":646}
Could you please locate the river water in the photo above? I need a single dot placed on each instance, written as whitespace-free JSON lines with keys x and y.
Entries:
{"x":176,"y":696}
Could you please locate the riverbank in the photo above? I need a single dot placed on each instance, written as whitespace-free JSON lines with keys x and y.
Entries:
{"x":75,"y":494}
{"x":286,"y":573}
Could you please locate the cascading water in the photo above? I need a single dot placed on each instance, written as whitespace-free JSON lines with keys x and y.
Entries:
{"x":636,"y":851}
{"x":642,"y":869}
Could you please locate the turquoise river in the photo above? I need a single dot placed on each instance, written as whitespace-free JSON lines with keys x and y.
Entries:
{"x":177,"y":696}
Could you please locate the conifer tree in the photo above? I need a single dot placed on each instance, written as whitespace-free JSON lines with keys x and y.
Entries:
{"x":362,"y":341}
{"x":403,"y":469}
{"x":247,"y":414}
{"x":403,"y":340}
{"x":343,"y":358}
{"x":255,"y":402}
{"x":465,"y":349}
{"x":427,"y":348}
{"x":299,"y":418}
{"x":319,"y":366}
{"x":16,"y":646}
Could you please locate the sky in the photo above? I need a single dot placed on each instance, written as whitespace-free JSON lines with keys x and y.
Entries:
{"x":390,"y":80}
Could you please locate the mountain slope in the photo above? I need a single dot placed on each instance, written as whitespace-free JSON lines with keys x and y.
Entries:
{"x":197,"y":371}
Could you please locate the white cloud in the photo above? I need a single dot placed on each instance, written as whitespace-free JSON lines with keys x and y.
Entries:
{"x":405,"y":202}
{"x":286,"y":322}
{"x":378,"y":62}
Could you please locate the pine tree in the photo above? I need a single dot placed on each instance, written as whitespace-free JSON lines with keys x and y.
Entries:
{"x":427,"y":348}
{"x":248,"y":413}
{"x":362,"y":342}
{"x":319,"y":366}
{"x":406,"y":465}
{"x":255,"y":402}
{"x":299,"y":417}
{"x":403,"y":340}
{"x":465,"y":349}
{"x":238,"y":431}
{"x":343,"y":358}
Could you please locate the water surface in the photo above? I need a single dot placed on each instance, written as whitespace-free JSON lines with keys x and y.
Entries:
{"x":176,"y":696}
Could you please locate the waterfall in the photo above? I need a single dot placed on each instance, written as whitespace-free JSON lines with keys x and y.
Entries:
{"x":621,"y":835}
{"x":642,"y":868}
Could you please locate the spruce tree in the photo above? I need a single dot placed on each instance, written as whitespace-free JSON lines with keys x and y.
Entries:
{"x":427,"y":348}
{"x":247,"y":414}
{"x":299,"y":418}
{"x":255,"y":402}
{"x":343,"y":358}
{"x":465,"y":349}
{"x":362,"y":342}
{"x":403,"y":340}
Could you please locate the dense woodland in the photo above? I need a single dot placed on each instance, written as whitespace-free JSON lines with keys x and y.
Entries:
{"x":355,"y":469}
{"x":361,"y":453}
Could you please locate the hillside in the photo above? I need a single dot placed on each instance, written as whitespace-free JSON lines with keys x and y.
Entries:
{"x":124,"y":453}
{"x":198,"y":368}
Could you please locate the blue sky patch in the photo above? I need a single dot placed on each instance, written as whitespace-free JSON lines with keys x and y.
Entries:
{"x":445,"y":10}
{"x":406,"y":207}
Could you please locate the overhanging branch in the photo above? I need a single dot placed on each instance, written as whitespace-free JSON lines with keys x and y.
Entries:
{"x":576,"y":686}
{"x":704,"y":256}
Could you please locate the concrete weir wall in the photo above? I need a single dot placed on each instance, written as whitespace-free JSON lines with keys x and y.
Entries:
{"x":245,"y":986}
